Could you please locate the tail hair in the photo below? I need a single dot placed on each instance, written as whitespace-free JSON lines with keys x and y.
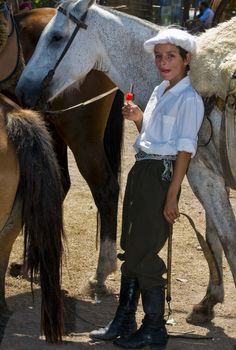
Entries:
{"x":41,"y":193}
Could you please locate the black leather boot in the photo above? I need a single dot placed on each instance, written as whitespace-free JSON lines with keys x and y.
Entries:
{"x":124,"y":322}
{"x":152,"y":331}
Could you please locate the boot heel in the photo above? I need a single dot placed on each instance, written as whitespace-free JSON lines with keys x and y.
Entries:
{"x":152,"y":332}
{"x":123,"y":324}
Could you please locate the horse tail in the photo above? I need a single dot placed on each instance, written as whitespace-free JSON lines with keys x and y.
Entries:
{"x":41,"y":194}
{"x":113,"y":138}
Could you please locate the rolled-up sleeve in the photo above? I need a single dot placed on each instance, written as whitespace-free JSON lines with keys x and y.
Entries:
{"x":188,"y":123}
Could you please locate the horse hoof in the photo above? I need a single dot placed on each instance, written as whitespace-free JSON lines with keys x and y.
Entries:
{"x":200,"y":315}
{"x":5,"y":313}
{"x":16,"y":269}
{"x":94,"y":288}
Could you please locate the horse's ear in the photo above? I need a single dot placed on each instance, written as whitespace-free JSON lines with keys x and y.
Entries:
{"x":82,"y":6}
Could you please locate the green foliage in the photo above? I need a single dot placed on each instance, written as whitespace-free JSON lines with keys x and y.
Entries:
{"x":44,"y":3}
{"x":37,"y":3}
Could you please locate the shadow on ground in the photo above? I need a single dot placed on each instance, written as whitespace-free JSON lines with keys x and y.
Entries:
{"x":22,"y":330}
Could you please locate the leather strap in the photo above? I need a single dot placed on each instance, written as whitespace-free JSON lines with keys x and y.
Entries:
{"x":9,"y":56}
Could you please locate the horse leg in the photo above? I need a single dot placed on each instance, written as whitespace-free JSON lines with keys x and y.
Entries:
{"x":204,"y":311}
{"x":60,"y":149}
{"x":106,"y":199}
{"x":204,"y":183}
{"x":87,"y":133}
{"x":8,"y":236}
{"x":10,"y":224}
{"x":105,"y":190}
{"x":106,"y":195}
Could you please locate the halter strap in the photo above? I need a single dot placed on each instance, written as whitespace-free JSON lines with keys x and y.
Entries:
{"x":79,"y":22}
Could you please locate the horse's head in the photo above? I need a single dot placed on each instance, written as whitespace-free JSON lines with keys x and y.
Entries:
{"x":66,"y":51}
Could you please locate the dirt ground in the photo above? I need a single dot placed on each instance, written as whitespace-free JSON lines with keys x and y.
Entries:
{"x":83,"y":314}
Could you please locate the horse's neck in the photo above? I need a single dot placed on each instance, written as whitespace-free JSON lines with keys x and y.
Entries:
{"x":126,"y":61}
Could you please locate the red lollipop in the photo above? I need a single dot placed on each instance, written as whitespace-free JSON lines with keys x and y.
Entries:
{"x":129,"y":96}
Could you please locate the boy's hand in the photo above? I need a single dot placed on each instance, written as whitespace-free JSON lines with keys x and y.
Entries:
{"x":171,"y":209}
{"x":132,"y":112}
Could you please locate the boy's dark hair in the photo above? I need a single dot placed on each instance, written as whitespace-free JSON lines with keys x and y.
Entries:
{"x":183,"y":53}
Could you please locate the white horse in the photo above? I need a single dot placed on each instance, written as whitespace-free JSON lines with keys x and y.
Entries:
{"x":113,"y":43}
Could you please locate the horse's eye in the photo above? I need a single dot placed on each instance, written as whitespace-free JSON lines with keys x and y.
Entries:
{"x":56,"y":37}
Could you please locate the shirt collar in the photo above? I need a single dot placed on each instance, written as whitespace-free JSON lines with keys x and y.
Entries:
{"x":177,"y":89}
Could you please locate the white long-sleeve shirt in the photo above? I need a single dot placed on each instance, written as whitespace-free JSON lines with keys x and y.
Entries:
{"x":171,"y":120}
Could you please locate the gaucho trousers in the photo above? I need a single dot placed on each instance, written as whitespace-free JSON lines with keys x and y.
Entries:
{"x":144,"y":228}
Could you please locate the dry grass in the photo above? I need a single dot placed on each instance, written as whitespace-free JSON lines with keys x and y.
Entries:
{"x":84,"y":314}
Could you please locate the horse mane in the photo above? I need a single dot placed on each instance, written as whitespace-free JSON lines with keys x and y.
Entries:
{"x":69,"y":4}
{"x":215,"y":61}
{"x":73,"y":88}
{"x":123,"y":15}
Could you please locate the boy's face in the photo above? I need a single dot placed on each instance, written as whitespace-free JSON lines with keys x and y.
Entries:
{"x":169,"y":62}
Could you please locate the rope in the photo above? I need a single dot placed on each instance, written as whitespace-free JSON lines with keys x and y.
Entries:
{"x":215,"y":274}
{"x":169,"y":264}
{"x":96,"y":98}
{"x":190,"y":336}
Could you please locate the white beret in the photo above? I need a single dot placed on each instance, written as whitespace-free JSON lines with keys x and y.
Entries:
{"x":173,"y":36}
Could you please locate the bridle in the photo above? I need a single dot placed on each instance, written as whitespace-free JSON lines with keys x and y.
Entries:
{"x":79,"y":24}
{"x":48,"y":78}
{"x":7,"y":59}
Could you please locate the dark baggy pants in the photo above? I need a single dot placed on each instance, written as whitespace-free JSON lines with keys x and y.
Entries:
{"x":144,"y":228}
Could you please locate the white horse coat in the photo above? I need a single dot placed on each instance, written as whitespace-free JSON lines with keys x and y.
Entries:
{"x":113,"y":43}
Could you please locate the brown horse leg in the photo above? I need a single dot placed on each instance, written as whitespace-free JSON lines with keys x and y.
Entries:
{"x":4,"y":258}
{"x":83,"y":131}
{"x":106,"y":199}
{"x":60,"y":149}
{"x":203,"y":312}
{"x":10,"y":224}
{"x":105,"y":190}
{"x":7,"y":237}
